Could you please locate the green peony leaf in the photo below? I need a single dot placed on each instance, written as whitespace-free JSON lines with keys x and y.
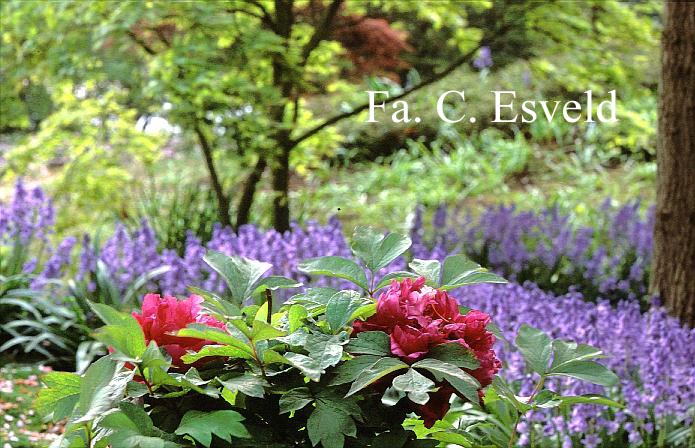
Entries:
{"x":314,"y":299}
{"x":590,"y":399}
{"x":241,"y":274}
{"x":338,"y":267}
{"x":274,"y":282}
{"x":564,"y":352}
{"x":122,"y":331}
{"x":200,"y":331}
{"x":226,"y":351}
{"x":340,"y":308}
{"x":348,"y":371}
{"x":308,"y":366}
{"x":536,"y":347}
{"x":458,"y":270}
{"x":430,"y":269}
{"x":131,"y":427}
{"x":295,"y":399}
{"x":261,"y":331}
{"x":370,"y":343}
{"x":295,"y":317}
{"x":590,"y":371}
{"x":102,"y":386}
{"x":154,"y":358}
{"x":377,"y":250}
{"x":506,"y":393}
{"x":415,"y":385}
{"x":246,"y":383}
{"x":398,"y":275}
{"x":455,"y":354}
{"x":378,"y":370}
{"x":329,"y":426}
{"x":60,"y":396}
{"x":202,"y":425}
{"x":464,"y":383}
{"x":326,"y":349}
{"x":216,"y":304}
{"x":392,"y":396}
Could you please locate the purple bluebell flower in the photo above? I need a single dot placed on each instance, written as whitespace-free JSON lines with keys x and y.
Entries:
{"x":484,"y":59}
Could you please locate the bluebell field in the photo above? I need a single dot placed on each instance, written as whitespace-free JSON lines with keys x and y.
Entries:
{"x":588,"y":284}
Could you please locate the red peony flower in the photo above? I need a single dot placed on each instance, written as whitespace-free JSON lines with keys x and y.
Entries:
{"x":163,"y":317}
{"x":412,"y":343}
{"x":417,"y":317}
{"x":436,"y":407}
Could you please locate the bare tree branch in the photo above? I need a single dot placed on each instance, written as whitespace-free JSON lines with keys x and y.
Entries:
{"x":263,"y":15}
{"x":266,"y":17}
{"x":141,"y":43}
{"x":322,"y":31}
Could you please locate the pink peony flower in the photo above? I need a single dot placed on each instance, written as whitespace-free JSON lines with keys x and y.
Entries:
{"x":417,"y":317}
{"x":163,"y":317}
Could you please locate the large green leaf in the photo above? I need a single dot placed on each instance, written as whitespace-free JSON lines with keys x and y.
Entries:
{"x":262,"y":331}
{"x":430,"y":269}
{"x":59,"y":396}
{"x":240,"y":274}
{"x":102,"y":386}
{"x":456,"y":354}
{"x":547,"y":399}
{"x":415,"y":385}
{"x":295,"y":317}
{"x":378,"y":370}
{"x":246,"y":383}
{"x":397,"y":275}
{"x":505,"y":392}
{"x":348,"y":371}
{"x":131,"y":427}
{"x":377,"y":250}
{"x":338,"y":267}
{"x":329,"y":426}
{"x":564,"y":352}
{"x":200,"y":331}
{"x":122,"y":331}
{"x":274,"y":282}
{"x":308,"y":366}
{"x":215,"y":304}
{"x":458,"y":270}
{"x":340,"y":308}
{"x":536,"y":347}
{"x":460,"y":380}
{"x":588,"y":371}
{"x":295,"y":399}
{"x":370,"y":343}
{"x":202,"y":425}
{"x":314,"y":299}
{"x":327,"y":350}
{"x":226,"y":351}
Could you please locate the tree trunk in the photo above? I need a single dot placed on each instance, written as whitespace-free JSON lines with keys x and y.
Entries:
{"x":246,"y":200}
{"x":282,"y":78}
{"x":673,"y":274}
{"x":281,"y":188}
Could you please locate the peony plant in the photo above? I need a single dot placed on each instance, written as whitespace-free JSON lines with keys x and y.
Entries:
{"x":385,"y":362}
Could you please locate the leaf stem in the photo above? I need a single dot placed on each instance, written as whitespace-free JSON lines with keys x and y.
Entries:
{"x":144,"y":379}
{"x":537,"y":389}
{"x":269,"y":300}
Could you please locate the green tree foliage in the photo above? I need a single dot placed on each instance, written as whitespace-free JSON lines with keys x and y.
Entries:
{"x":266,"y":82}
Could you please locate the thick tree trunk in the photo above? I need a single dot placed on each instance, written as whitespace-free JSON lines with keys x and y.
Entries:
{"x":281,"y":188}
{"x":673,"y":274}
{"x":282,"y":78}
{"x":246,"y":199}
